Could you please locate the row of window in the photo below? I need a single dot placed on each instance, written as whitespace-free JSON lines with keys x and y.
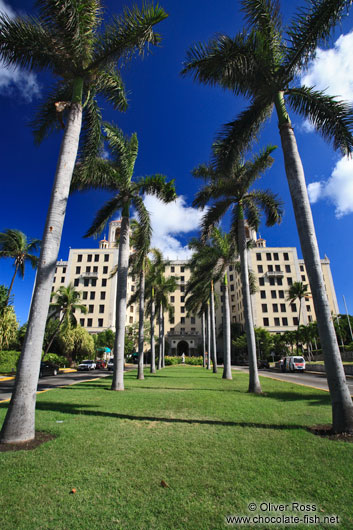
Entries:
{"x":89,"y":322}
{"x":269,"y":256}
{"x":182,"y":330}
{"x":92,"y":295}
{"x":90,"y":257}
{"x":182,"y":320}
{"x":173,"y":268}
{"x":272,"y":268}
{"x":275,"y":281}
{"x":94,"y":269}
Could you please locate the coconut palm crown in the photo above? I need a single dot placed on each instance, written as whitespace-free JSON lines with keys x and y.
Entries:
{"x":261,"y":63}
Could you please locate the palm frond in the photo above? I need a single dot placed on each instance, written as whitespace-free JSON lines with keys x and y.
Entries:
{"x":269,"y":203}
{"x":128,"y":34}
{"x":103,"y":215}
{"x":259,"y":164}
{"x":311,"y":26}
{"x":125,"y":149}
{"x":100,"y":174}
{"x":111,"y":86}
{"x":91,"y":139}
{"x":212,"y":217}
{"x":156,"y":185}
{"x":332,"y":118}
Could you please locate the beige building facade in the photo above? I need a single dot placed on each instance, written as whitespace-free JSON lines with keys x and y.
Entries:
{"x":275,"y":269}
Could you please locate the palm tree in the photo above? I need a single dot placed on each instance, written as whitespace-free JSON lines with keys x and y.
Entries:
{"x":262,"y":64}
{"x":15,"y":245}
{"x":230,"y":190}
{"x":196,"y":302}
{"x":163,"y":288}
{"x":116,"y":175}
{"x":297,"y":291}
{"x":66,"y":40}
{"x":67,"y":301}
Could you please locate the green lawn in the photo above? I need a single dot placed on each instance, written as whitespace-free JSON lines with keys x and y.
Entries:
{"x":217,"y":447}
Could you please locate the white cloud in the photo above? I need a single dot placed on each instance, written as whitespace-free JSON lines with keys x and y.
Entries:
{"x":170,"y":221}
{"x":338,"y":189}
{"x":13,"y":79}
{"x":332,"y":71}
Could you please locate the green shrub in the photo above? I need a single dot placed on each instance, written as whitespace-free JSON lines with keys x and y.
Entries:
{"x":8,"y":360}
{"x":60,"y":360}
{"x":195,"y":361}
{"x":172,"y":360}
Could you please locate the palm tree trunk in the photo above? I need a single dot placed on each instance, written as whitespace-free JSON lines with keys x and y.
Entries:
{"x":11,"y":284}
{"x":19,"y":424}
{"x":53,"y":336}
{"x":342,"y":407}
{"x":140,"y":374}
{"x":208,"y":337}
{"x":227,"y":369}
{"x":203,"y":339}
{"x":163,"y":343}
{"x":153,"y":346}
{"x":254,"y":381}
{"x":160,"y":349}
{"x":213,"y":332}
{"x":121,"y":291}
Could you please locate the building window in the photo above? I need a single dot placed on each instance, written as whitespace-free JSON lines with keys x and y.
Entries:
{"x":266,"y":323}
{"x":182,"y":278}
{"x":102,"y":295}
{"x":182,"y":288}
{"x":172,"y":299}
{"x":275,"y":256}
{"x":131,"y":320}
{"x":272,"y":280}
{"x":182,"y":269}
{"x":95,"y":269}
{"x":171,"y":330}
{"x":105,"y":270}
{"x":193,"y":331}
{"x":172,"y":269}
{"x":100,"y":322}
{"x":308,"y":308}
{"x":64,"y":270}
{"x":275,"y":308}
{"x":285,"y":256}
{"x":287,"y":268}
{"x":278,"y":268}
{"x":293,"y":308}
{"x":264,"y":308}
{"x":230,"y":267}
{"x":76,"y":282}
{"x":104,"y":282}
{"x":88,"y":269}
{"x":260,"y":268}
{"x":90,"y":308}
{"x":302,"y":268}
{"x":231,"y":277}
{"x":171,"y":320}
{"x":281,"y":294}
{"x":106,"y":257}
{"x":94,"y":282}
{"x":279,"y":281}
{"x":263,"y":294}
{"x":182,"y":330}
{"x":290,"y":281}
{"x":86,"y":282}
{"x":182,"y":320}
{"x":268,"y":256}
{"x":54,"y":279}
{"x":273,"y":294}
{"x":82,"y":322}
{"x":78,"y":270}
{"x":96,"y":258}
{"x":182,"y":309}
{"x":79,"y":257}
{"x":258,"y":256}
{"x":295,"y":321}
{"x":270,"y":268}
{"x":261,"y":281}
{"x":89,"y":322}
{"x":92,"y":295}
{"x":89,"y":257}
{"x":303,"y":277}
{"x":101,"y":308}
{"x":62,"y":279}
{"x":310,"y":318}
{"x":284,"y":321}
{"x":132,"y":288}
{"x":131,"y":309}
{"x":277,"y":322}
{"x":84,"y":295}
{"x":192,"y":320}
{"x":283,"y":308}
{"x":182,"y":299}
{"x":232,"y":287}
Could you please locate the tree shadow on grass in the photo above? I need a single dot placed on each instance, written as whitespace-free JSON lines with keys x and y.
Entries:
{"x":312,"y":399}
{"x":83,"y":410}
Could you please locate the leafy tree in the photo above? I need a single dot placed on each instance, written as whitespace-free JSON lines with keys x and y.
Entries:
{"x":116,"y":175}
{"x":297,"y":291}
{"x":105,"y":339}
{"x":8,"y":328}
{"x":76,"y":344}
{"x":66,"y":39}
{"x":261,"y":63}
{"x":4,"y":298}
{"x":232,"y":190}
{"x":14,"y":245}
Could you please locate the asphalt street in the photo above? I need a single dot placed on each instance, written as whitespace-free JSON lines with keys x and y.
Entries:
{"x":314,"y":380}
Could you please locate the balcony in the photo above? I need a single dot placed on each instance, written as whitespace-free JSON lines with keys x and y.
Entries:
{"x":275,"y":274}
{"x":89,"y":275}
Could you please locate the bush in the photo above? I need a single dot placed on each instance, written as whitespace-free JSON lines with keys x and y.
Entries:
{"x":172,"y":360}
{"x":9,"y":360}
{"x":56,"y":359}
{"x":195,"y":361}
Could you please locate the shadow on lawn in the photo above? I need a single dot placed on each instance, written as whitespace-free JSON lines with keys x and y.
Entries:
{"x":79,"y":409}
{"x":312,"y":399}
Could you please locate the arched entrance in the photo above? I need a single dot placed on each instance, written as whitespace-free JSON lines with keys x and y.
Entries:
{"x":183,"y":347}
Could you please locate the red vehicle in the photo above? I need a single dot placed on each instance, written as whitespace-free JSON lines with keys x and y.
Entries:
{"x":100,"y":365}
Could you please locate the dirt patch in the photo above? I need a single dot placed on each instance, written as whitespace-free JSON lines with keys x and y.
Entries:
{"x":325,"y":431}
{"x":40,"y":438}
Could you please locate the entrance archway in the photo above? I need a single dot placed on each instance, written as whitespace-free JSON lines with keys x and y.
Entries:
{"x":183,"y":347}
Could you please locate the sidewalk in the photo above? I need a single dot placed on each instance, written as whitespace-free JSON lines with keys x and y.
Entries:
{"x":8,"y":377}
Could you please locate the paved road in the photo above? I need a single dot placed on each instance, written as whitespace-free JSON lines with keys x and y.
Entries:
{"x":315,"y":380}
{"x":53,"y":382}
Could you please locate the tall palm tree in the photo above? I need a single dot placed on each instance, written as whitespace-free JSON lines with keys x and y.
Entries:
{"x":116,"y":175}
{"x":297,"y":291}
{"x":66,"y":40}
{"x":162,"y":290}
{"x":139,"y":263}
{"x":15,"y":245}
{"x":66,"y":303}
{"x":232,"y":190}
{"x":196,"y":303}
{"x":262,"y":64}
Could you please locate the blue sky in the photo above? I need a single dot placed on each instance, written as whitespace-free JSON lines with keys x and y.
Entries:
{"x":176,"y":121}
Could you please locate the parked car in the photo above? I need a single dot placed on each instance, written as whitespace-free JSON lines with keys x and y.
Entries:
{"x":293,"y":363}
{"x":110,"y":365}
{"x":100,"y":365}
{"x":87,"y":365}
{"x":47,"y":368}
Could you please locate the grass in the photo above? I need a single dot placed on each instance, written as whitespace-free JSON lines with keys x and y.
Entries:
{"x":217,"y":447}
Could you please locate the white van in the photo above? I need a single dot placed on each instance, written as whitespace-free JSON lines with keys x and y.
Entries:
{"x":293,"y":363}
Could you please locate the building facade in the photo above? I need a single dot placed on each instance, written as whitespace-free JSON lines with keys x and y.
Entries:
{"x":275,"y":270}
